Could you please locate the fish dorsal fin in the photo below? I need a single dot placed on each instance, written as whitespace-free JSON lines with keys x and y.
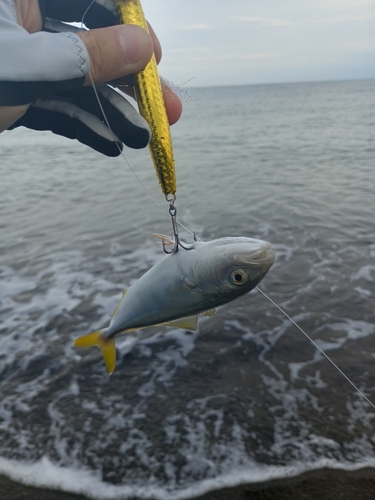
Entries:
{"x":210,"y":313}
{"x":189,"y":323}
{"x":168,"y":241}
{"x":118,"y":305}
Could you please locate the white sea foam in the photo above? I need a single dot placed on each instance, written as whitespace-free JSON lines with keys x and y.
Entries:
{"x":366,"y":272}
{"x":184,"y":413}
{"x":45,"y":474}
{"x":214,"y":449}
{"x":363,"y":292}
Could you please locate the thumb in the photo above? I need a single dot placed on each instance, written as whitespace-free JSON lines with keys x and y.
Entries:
{"x":116,"y":51}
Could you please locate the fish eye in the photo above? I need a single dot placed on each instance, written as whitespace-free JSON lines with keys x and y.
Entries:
{"x":238,"y":277}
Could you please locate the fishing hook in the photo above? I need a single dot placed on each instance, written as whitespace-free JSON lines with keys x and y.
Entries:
{"x":177,"y":241}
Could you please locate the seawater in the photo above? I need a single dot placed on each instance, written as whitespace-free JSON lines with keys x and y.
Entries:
{"x":244,"y":398}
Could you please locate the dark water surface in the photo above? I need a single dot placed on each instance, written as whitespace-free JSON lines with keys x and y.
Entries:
{"x":246,"y":397}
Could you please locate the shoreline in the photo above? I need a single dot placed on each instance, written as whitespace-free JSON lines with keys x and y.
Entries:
{"x":325,"y":484}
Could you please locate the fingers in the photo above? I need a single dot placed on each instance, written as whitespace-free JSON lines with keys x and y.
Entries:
{"x":116,"y":51}
{"x":173,"y":105}
{"x":155,"y":41}
{"x":119,"y":51}
{"x":29,"y":15}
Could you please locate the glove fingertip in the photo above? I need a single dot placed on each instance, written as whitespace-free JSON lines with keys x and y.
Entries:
{"x":112,"y":149}
{"x":98,"y":141}
{"x":138,"y":140}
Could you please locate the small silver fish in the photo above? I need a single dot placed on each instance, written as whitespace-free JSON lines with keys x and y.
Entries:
{"x":183,"y":285}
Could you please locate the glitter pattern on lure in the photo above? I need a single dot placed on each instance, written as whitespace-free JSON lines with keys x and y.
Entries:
{"x":151,"y":105}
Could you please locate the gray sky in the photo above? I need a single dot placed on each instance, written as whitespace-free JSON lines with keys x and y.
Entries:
{"x":264,"y":41}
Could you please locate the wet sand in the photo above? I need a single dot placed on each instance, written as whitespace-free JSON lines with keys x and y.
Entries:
{"x":325,"y":484}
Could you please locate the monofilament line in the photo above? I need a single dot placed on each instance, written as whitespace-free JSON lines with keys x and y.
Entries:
{"x":124,"y":157}
{"x":116,"y":140}
{"x":110,"y":129}
{"x":259,"y":290}
{"x":317,"y":347}
{"x":191,"y":232}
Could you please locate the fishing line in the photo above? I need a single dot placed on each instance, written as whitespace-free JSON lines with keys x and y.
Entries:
{"x":109,"y":126}
{"x":191,"y":232}
{"x":124,"y":157}
{"x":116,"y":139}
{"x":317,"y":347}
{"x":119,"y":148}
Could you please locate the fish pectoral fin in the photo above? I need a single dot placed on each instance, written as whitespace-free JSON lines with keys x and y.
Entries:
{"x":188,"y":323}
{"x":210,"y":313}
{"x":107,"y":346}
{"x":167,"y":240}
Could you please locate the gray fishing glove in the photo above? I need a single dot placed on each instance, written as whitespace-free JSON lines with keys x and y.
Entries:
{"x":49,"y":69}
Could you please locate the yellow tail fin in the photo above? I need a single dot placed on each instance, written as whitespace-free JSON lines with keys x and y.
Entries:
{"x":107,"y":347}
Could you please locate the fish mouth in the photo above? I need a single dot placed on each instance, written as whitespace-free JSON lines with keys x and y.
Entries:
{"x":262,"y":256}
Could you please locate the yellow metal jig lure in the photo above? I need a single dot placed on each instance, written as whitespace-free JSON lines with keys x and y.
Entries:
{"x":151,"y":105}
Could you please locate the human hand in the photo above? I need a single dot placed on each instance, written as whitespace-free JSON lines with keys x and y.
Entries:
{"x":62,"y":67}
